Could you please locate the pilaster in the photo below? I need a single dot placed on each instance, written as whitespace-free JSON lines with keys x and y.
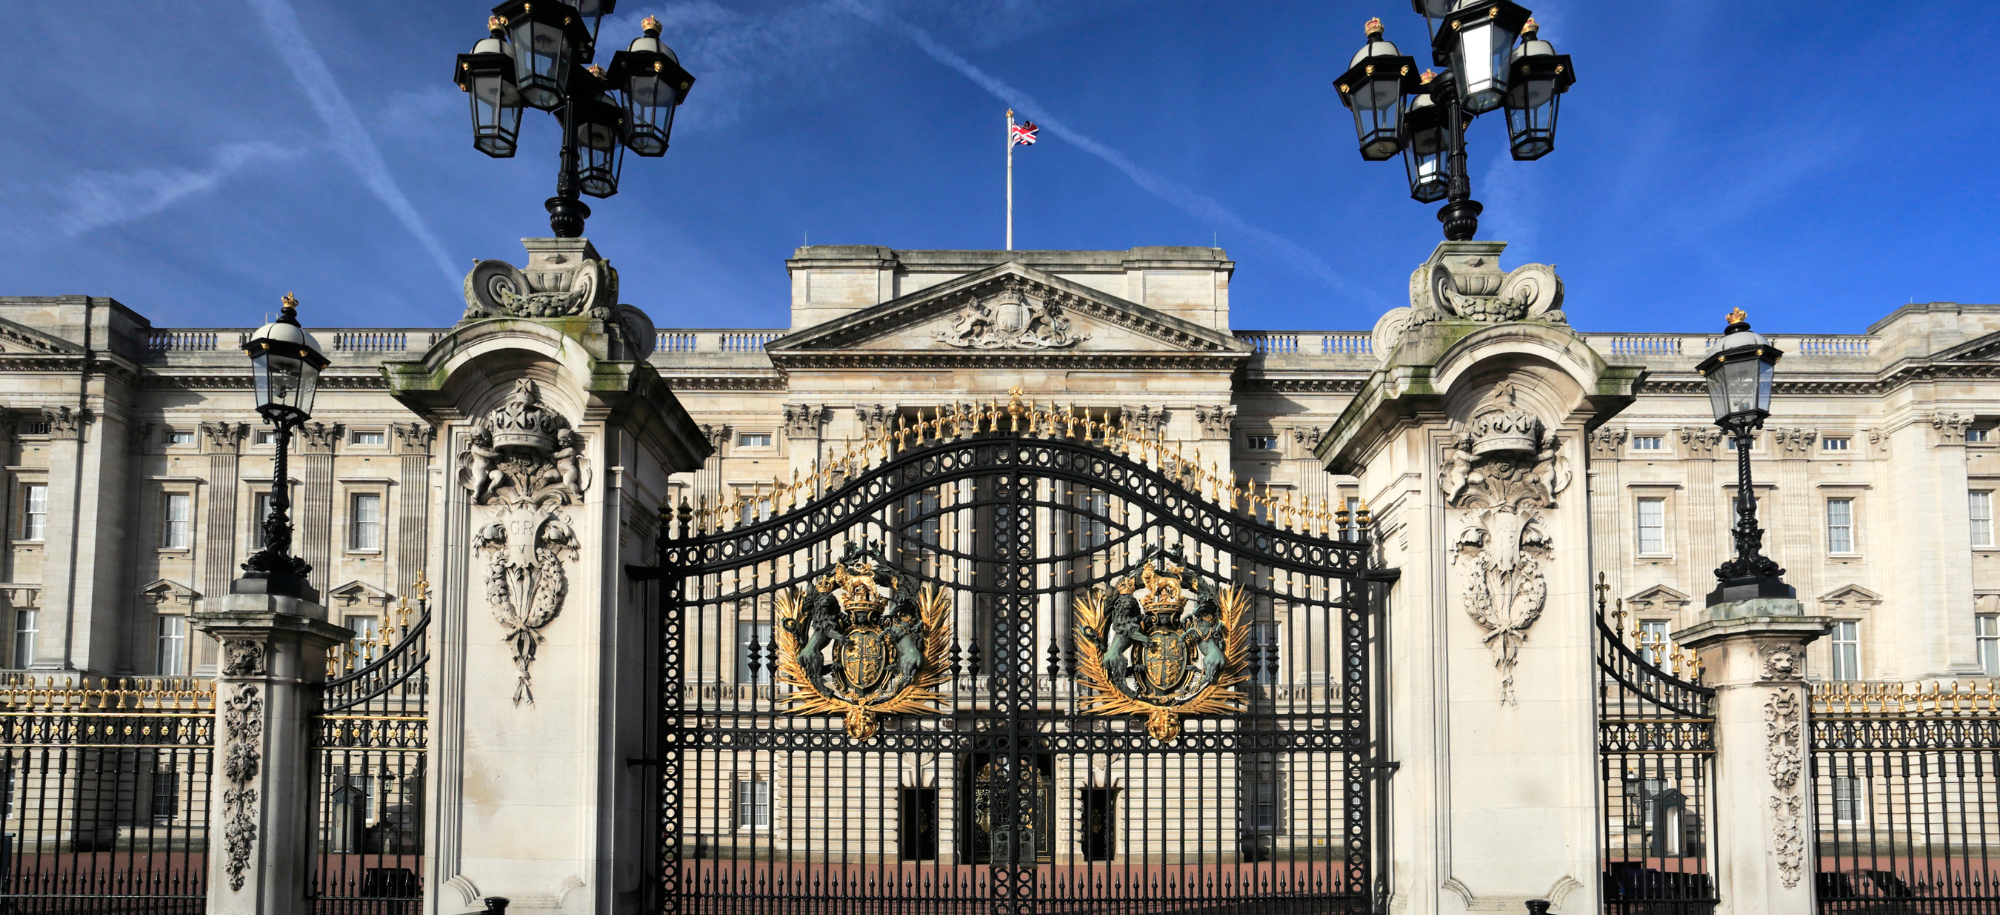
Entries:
{"x":1926,"y":631}
{"x":1607,"y":500}
{"x":1800,"y":522}
{"x":313,"y":445}
{"x":67,"y":597}
{"x":223,"y":441}
{"x":1707,"y":531}
{"x":413,"y":447}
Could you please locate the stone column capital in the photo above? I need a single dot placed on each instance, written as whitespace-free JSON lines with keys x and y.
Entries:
{"x":1950,"y":428}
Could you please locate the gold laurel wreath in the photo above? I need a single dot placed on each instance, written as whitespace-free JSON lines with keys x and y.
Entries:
{"x":917,"y":696}
{"x":1219,"y":697}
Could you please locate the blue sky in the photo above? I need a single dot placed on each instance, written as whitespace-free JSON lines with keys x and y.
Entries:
{"x":196,"y":160}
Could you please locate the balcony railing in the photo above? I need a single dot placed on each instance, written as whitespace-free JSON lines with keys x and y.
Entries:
{"x":714,"y":340}
{"x":1309,"y":342}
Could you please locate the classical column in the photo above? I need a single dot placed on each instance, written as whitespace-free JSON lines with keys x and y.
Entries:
{"x":313,"y":513}
{"x":1924,"y":630}
{"x":1607,"y":501}
{"x":223,"y":442}
{"x":66,"y":595}
{"x":1754,"y":655}
{"x":708,"y":479}
{"x":1705,"y":507}
{"x":1798,"y":523}
{"x":413,"y":444}
{"x":264,"y":785}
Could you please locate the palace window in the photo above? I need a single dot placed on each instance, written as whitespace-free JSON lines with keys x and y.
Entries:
{"x":754,"y":440}
{"x":34,"y":511}
{"x":180,"y":437}
{"x":1834,"y":444}
{"x":1352,"y":529}
{"x":1260,"y":442}
{"x":753,"y":803}
{"x":1652,"y":526}
{"x":371,"y":438}
{"x":1264,"y":653}
{"x":1262,"y":814}
{"x":170,"y":646}
{"x":260,"y":511}
{"x":748,"y":631}
{"x":1840,"y":525}
{"x":166,"y":791}
{"x":363,"y":644}
{"x":1648,"y":443}
{"x":754,"y":504}
{"x":266,"y":437}
{"x":27,"y":626}
{"x":1980,"y":505}
{"x":1849,"y":799}
{"x":1987,"y":631}
{"x":365,"y":522}
{"x":1978,"y":435}
{"x":1653,"y":641}
{"x":177,"y":521}
{"x":1092,"y":508}
{"x":35,"y":427}
{"x":1846,"y":646}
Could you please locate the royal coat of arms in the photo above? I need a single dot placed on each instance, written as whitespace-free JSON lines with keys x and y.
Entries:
{"x":863,"y":642}
{"x":1162,"y":643}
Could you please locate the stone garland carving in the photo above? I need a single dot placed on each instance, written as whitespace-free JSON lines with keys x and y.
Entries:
{"x":242,"y":733}
{"x":716,"y":433}
{"x":65,"y":422}
{"x":1010,"y":319}
{"x":1215,"y":420}
{"x":1501,"y":476}
{"x":415,"y":438}
{"x":1783,"y":733}
{"x":1880,"y":440}
{"x":1308,"y":436}
{"x":1701,"y":441}
{"x":1607,"y":443}
{"x":1795,"y":442}
{"x":1147,"y":417}
{"x":318,"y":438}
{"x":141,"y":434}
{"x":525,"y":461}
{"x":223,"y":436}
{"x":876,"y":420}
{"x":1951,"y":427}
{"x":803,"y":420}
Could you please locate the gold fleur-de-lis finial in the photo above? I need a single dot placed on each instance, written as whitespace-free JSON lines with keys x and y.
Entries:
{"x":1736,"y":316}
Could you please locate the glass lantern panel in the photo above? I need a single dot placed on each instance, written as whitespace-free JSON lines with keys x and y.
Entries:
{"x":1479,"y":61}
{"x":597,"y":134}
{"x":1741,"y":377}
{"x":1764,"y":371}
{"x":541,"y":61}
{"x":496,"y":115}
{"x":598,"y":174}
{"x":649,"y":115}
{"x":1430,"y":177}
{"x":1531,"y":131}
{"x":1718,"y":394}
{"x":284,"y":382}
{"x":308,"y":381}
{"x":260,"y":377}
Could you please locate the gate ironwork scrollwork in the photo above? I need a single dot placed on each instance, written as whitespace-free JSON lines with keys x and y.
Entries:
{"x":873,"y":696}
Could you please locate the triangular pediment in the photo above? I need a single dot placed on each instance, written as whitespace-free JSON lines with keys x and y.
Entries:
{"x":1978,"y":349}
{"x":357,"y":591}
{"x":1849,"y":598}
{"x":18,"y":339}
{"x":1657,"y":597}
{"x":170,"y":593}
{"x":1010,"y":311}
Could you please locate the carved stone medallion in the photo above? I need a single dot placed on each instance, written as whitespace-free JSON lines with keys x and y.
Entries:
{"x":524,"y":462}
{"x":1010,"y":319}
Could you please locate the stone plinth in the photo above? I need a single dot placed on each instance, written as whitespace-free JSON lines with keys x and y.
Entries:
{"x":1470,"y":445}
{"x":265,"y":782}
{"x":558,"y":441}
{"x":1754,"y":652}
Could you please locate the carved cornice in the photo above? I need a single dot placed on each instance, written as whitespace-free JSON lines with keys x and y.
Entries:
{"x":725,"y":382}
{"x":958,"y":359}
{"x":1302,"y":385}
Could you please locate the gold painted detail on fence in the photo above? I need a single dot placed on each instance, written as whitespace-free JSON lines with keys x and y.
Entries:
{"x":1103,"y":428}
{"x":1926,"y":699}
{"x":350,"y":656}
{"x":86,"y":695}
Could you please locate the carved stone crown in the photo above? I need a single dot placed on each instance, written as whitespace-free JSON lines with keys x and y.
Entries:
{"x":1501,"y":426}
{"x":522,"y":422}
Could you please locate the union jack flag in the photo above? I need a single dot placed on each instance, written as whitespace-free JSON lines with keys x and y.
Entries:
{"x":1023,"y":134}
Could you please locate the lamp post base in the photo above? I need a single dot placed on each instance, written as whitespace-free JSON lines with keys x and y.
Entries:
{"x":280,"y":584}
{"x":1754,"y":587}
{"x":566,"y":216}
{"x":1461,"y":219}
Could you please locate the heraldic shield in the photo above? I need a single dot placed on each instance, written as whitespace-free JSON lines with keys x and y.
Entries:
{"x":1163,"y":644}
{"x":863,"y":642}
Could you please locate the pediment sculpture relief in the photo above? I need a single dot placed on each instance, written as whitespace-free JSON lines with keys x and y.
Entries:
{"x":1501,"y":477}
{"x":1010,"y":319}
{"x":524,"y":462}
{"x":496,"y":288}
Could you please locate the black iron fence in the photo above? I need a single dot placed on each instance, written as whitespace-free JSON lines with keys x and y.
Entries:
{"x":104,"y":795}
{"x":1656,"y":746}
{"x":1906,"y":791}
{"x":371,"y":738}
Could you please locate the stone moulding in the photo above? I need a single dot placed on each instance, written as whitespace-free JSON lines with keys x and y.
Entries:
{"x":1783,"y":732}
{"x":243,"y":732}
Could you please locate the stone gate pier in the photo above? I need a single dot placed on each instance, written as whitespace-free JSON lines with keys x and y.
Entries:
{"x":559,"y":440}
{"x":1469,"y":445}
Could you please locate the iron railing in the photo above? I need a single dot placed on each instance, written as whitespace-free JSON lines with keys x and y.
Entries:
{"x":1656,"y":748}
{"x":104,"y":793}
{"x":1906,"y":797}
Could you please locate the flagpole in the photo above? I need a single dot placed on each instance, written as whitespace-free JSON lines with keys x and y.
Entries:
{"x":1010,"y":179}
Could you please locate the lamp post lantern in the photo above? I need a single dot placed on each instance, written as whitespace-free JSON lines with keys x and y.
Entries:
{"x":537,"y":54}
{"x":285,"y":362}
{"x":1738,"y":375}
{"x":1495,"y":59}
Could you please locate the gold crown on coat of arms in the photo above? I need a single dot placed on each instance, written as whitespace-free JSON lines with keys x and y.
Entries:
{"x":855,"y":587}
{"x":1163,"y":588}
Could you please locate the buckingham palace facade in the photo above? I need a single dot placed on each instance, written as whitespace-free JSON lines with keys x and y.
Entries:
{"x":136,"y":463}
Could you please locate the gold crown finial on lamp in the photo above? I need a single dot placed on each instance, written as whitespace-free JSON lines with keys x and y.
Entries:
{"x":1736,"y":316}
{"x":650,"y":26}
{"x":1373,"y":28}
{"x":1529,"y":28}
{"x":291,"y":302}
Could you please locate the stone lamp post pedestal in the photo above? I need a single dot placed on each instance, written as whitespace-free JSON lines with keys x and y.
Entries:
{"x":1754,"y":651}
{"x":261,"y":813}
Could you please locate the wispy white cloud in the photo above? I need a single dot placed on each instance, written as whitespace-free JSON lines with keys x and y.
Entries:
{"x":350,"y":139}
{"x":95,"y":199}
{"x":1179,"y":195}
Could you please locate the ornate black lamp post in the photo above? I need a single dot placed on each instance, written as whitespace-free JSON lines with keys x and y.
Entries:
{"x":1496,"y":60}
{"x":284,"y":362}
{"x":1739,"y":390}
{"x":538,"y":55}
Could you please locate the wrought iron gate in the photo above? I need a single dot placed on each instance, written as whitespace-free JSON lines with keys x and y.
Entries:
{"x":1656,"y":746}
{"x":1011,"y":659}
{"x":371,"y":737}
